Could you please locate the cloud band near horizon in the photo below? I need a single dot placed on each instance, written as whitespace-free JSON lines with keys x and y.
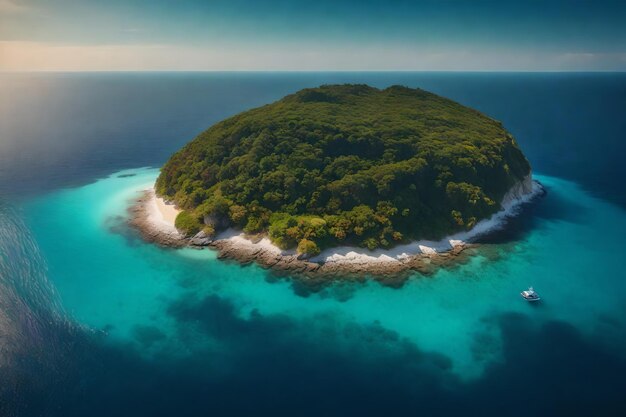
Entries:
{"x":344,"y":35}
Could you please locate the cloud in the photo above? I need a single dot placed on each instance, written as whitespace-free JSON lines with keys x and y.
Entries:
{"x":583,"y":59}
{"x":39,"y":56}
{"x":9,"y":6}
{"x":133,"y":30}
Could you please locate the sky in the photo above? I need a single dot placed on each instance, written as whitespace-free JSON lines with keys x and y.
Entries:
{"x":317,"y":35}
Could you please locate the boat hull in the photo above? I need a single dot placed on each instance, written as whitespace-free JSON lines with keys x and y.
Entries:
{"x":529,"y":298}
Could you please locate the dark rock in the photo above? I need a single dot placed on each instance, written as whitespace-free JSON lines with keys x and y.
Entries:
{"x":218,"y":222}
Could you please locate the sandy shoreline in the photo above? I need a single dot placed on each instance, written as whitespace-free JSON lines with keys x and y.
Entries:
{"x":166,"y":212}
{"x":154,"y":218}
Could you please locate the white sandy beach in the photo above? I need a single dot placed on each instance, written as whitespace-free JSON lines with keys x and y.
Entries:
{"x":239,"y":238}
{"x":163,"y":215}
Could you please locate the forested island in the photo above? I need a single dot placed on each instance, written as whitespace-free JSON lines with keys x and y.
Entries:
{"x":345,"y":165}
{"x":341,"y":180}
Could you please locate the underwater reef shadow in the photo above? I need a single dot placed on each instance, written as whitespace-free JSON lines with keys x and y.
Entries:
{"x":554,"y":367}
{"x":276,"y":365}
{"x":118,"y":225}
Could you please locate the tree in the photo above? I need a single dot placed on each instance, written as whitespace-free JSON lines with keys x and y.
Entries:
{"x":346,"y":164}
{"x":308,"y":248}
{"x":187,"y":223}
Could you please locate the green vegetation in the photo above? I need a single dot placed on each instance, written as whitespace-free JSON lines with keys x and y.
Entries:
{"x":187,"y":223}
{"x":345,"y":164}
{"x":308,"y":247}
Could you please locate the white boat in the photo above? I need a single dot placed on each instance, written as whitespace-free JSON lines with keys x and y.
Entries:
{"x":530,"y":295}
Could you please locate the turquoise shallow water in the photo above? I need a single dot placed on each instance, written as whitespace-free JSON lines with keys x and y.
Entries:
{"x":161,"y":332}
{"x":110,"y":281}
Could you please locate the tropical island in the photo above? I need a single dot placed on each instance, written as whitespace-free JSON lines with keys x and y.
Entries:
{"x":341,"y":166}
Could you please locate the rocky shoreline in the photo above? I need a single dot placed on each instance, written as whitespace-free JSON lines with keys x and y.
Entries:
{"x":139,"y":218}
{"x":391,"y":271}
{"x":145,"y":218}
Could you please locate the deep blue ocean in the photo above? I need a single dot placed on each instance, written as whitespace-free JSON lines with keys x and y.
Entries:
{"x":95,"y":322}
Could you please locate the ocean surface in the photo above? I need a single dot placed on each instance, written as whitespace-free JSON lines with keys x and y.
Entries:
{"x":93,"y":321}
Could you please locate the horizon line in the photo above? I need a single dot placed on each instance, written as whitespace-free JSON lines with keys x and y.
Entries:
{"x":306,"y":71}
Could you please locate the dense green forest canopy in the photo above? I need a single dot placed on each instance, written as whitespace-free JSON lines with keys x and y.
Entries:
{"x":345,"y":164}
